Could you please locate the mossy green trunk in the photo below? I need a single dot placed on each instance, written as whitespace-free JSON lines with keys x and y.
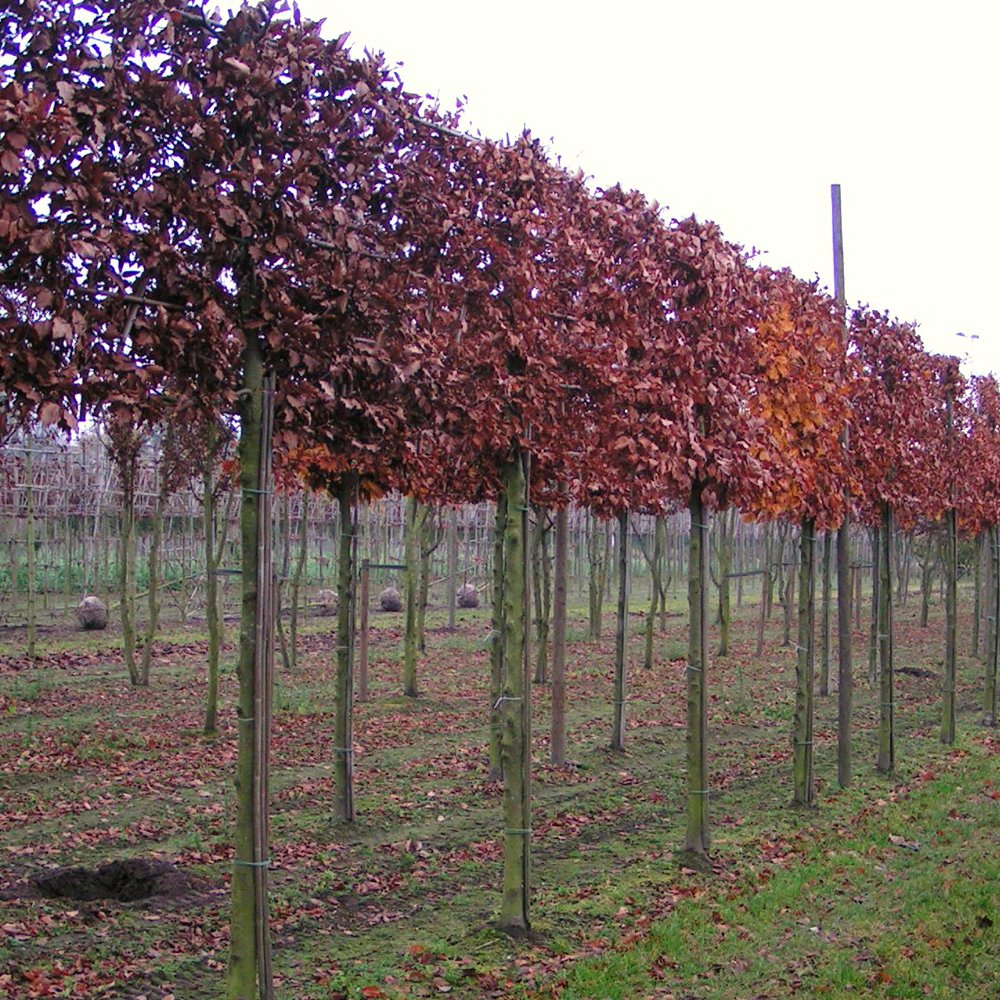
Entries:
{"x":343,"y":727}
{"x":696,"y":840}
{"x":950,"y":628}
{"x":802,"y":736}
{"x":241,"y":978}
{"x":887,"y":723}
{"x":515,"y":711}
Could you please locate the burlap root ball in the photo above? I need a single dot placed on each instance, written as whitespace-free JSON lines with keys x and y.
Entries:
{"x":467,"y":596}
{"x":391,"y":600}
{"x":327,"y":601}
{"x":92,"y":614}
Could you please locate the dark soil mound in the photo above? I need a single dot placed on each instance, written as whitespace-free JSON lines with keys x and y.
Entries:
{"x":126,"y":881}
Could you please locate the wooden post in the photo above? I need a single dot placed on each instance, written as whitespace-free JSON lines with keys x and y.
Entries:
{"x":845,"y":672}
{"x":951,"y":593}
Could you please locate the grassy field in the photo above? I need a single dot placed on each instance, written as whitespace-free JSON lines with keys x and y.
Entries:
{"x":888,"y":889}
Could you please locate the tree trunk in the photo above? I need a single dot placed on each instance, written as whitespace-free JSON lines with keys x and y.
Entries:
{"x":153,"y":593}
{"x":887,"y":723}
{"x":411,"y":586}
{"x":297,"y":577}
{"x":515,"y":710}
{"x":951,"y":628}
{"x":824,"y":663}
{"x":542,"y":593}
{"x":621,"y":636}
{"x":990,"y":679}
{"x":558,"y":743}
{"x":126,"y":580}
{"x":427,"y":547}
{"x":805,"y":791}
{"x":724,"y":535}
{"x":656,"y":572}
{"x":29,"y":542}
{"x":845,"y":667}
{"x":343,"y":726}
{"x":696,"y":840}
{"x":877,"y":575}
{"x":496,"y":641}
{"x":244,"y":946}
{"x":597,"y":551}
{"x":452,"y":565}
{"x":213,"y":558}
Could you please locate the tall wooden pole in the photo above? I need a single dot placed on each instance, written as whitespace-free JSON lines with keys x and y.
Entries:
{"x":845,"y":674}
{"x":951,"y":596}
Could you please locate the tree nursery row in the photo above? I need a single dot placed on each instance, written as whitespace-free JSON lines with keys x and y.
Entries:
{"x":216,"y":228}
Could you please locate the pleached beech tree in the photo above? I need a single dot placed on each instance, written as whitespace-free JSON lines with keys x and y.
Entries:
{"x":187,"y":196}
{"x":896,"y":457}
{"x":801,"y":396}
{"x":522,"y":357}
{"x":979,"y":511}
{"x":682,"y":420}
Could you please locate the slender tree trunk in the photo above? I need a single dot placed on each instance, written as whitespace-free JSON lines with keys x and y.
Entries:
{"x":926,"y":585}
{"x":789,"y":603}
{"x":29,"y":541}
{"x":127,"y":587}
{"x":452,"y":565}
{"x":845,"y":667}
{"x":877,"y":575}
{"x":414,"y":525}
{"x":496,"y":641}
{"x":824,"y":663}
{"x":514,"y":705}
{"x":621,"y":636}
{"x":656,"y":571}
{"x":212,"y":561}
{"x":597,"y":549}
{"x":725,"y":537}
{"x":558,"y":743}
{"x":951,"y":628}
{"x":297,"y":577}
{"x":153,"y":593}
{"x":887,"y":723}
{"x":805,"y":791}
{"x":343,"y":727}
{"x":696,"y":840}
{"x":241,"y":979}
{"x":979,"y":603}
{"x":542,"y":593}
{"x":426,"y":548}
{"x":990,"y":679}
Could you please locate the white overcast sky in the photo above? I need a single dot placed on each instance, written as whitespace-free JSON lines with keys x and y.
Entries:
{"x":745,"y":113}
